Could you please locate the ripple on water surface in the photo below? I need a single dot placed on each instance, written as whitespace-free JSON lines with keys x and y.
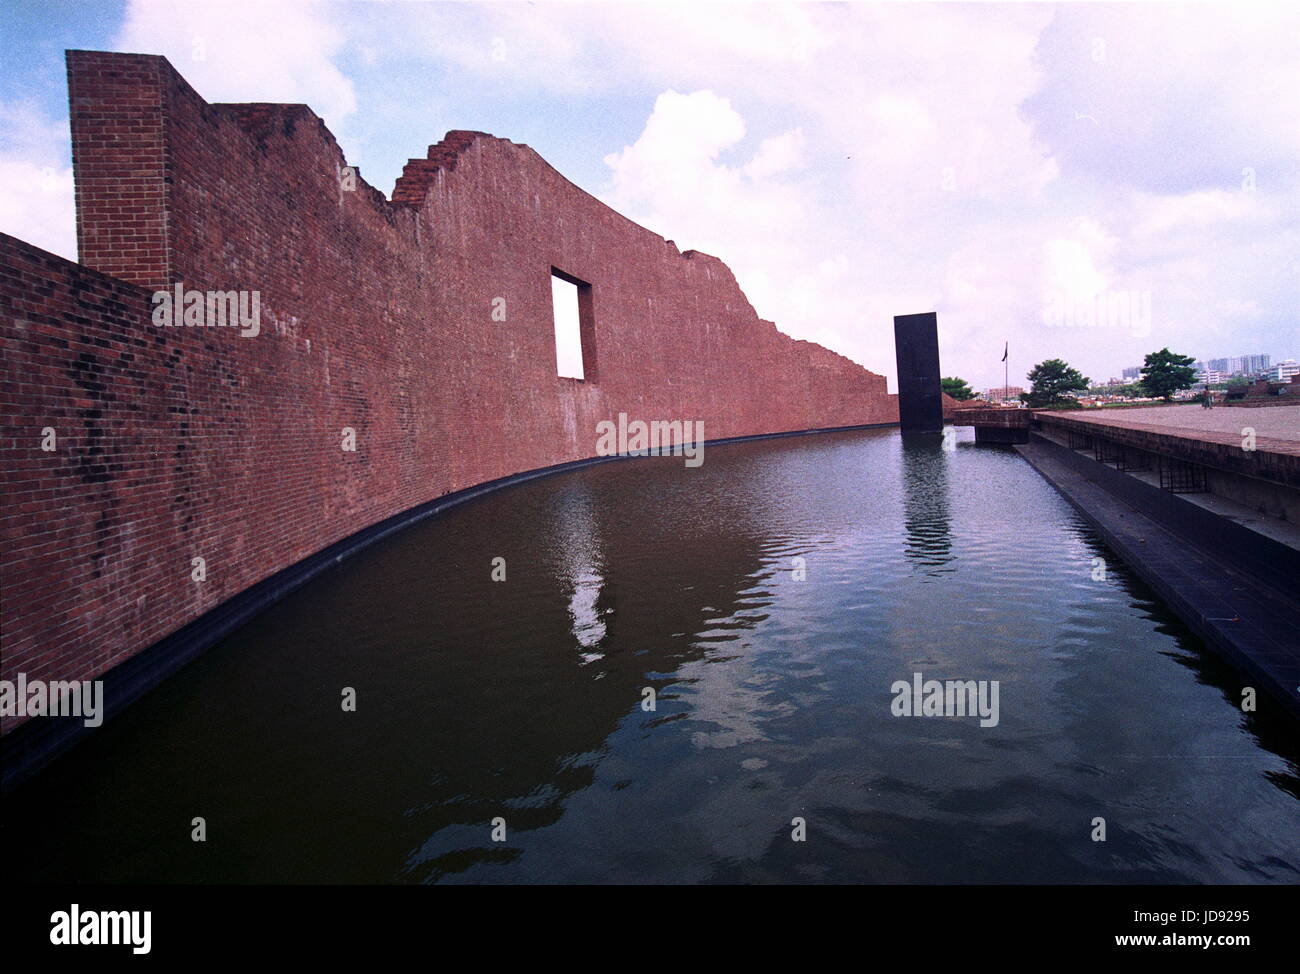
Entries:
{"x":769,"y":599}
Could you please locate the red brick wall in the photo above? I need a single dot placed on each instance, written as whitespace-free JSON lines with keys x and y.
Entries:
{"x":376,"y":315}
{"x":119,"y":153}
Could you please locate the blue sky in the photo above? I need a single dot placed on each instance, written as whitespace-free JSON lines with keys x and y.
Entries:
{"x":1088,"y":181}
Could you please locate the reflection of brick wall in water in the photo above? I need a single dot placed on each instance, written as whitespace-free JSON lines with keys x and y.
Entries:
{"x":176,"y":443}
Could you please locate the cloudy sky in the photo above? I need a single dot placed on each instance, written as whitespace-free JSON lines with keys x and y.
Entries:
{"x":1085,"y":181}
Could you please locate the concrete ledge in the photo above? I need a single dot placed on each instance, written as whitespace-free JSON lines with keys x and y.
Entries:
{"x":995,"y":424}
{"x":1273,"y":459}
{"x":1250,"y":552}
{"x":999,"y":416}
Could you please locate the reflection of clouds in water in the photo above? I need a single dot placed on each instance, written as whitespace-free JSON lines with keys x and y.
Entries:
{"x":743,"y":810}
{"x":583,"y":569}
{"x":732,"y":726}
{"x":588,"y":627}
{"x":733,"y":699}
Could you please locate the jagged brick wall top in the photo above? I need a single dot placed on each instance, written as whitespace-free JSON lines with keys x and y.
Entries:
{"x":417,"y":174}
{"x":376,"y":315}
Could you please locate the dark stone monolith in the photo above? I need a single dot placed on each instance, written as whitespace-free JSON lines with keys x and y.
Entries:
{"x":916,"y":348}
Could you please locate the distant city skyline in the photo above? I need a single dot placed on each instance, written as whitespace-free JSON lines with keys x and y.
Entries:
{"x":1228,"y":365}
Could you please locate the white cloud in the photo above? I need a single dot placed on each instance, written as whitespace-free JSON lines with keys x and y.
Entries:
{"x":239,"y":51}
{"x":853,"y":162}
{"x":1072,"y":262}
{"x":777,"y":154}
{"x":756,"y":212}
{"x":1160,"y":215}
{"x":1184,"y":96}
{"x":931,"y":165}
{"x":590,"y":47}
{"x":676,"y":152}
{"x":36,"y":192}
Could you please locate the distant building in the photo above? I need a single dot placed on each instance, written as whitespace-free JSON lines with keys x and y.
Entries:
{"x":1235,"y":365}
{"x":1003,"y":393}
{"x":1283,"y":371}
{"x":1135,"y":373}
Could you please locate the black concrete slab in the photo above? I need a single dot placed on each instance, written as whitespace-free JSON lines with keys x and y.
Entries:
{"x":916,"y":351}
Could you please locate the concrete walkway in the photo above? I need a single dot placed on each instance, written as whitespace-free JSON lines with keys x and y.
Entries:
{"x":1277,"y":428}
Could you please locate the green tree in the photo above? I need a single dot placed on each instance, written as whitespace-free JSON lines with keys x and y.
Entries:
{"x":1165,"y":372}
{"x":957,"y":388}
{"x":1052,"y":382}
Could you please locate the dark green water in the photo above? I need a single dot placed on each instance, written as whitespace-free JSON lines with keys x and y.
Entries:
{"x":522,"y":699}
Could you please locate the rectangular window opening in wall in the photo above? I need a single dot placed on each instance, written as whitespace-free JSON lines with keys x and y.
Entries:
{"x":575,"y":351}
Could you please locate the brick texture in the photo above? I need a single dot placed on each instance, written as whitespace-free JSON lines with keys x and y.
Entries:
{"x":375,"y":314}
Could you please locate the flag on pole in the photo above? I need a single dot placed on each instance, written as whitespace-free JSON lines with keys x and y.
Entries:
{"x":1004,"y":351}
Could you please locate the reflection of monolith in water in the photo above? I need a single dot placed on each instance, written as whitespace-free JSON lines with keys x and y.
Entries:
{"x":925,"y":504}
{"x":916,"y":352}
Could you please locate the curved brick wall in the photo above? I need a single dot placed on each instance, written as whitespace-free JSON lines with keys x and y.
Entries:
{"x":182,"y":442}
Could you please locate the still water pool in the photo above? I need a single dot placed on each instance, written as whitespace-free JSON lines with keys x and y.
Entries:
{"x":766,"y":603}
